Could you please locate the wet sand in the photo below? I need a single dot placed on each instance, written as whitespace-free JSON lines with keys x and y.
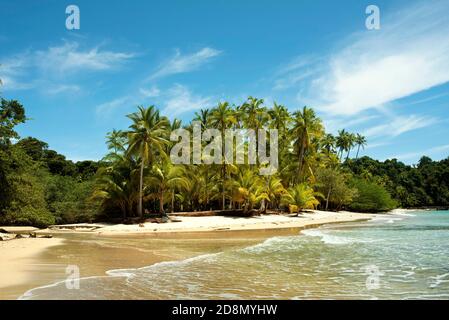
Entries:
{"x":18,"y":258}
{"x":128,"y":246}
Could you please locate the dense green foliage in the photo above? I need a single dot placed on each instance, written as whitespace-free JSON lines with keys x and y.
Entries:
{"x":41,"y":187}
{"x":370,"y":197}
{"x":426,"y":184}
{"x":38,"y":186}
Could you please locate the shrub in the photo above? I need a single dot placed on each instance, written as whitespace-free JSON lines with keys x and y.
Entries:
{"x":29,"y":216}
{"x":371,"y":197}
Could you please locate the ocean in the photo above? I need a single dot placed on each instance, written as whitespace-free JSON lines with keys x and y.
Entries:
{"x":400,"y":256}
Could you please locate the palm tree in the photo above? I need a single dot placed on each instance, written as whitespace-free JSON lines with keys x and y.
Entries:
{"x":255,"y":116}
{"x":166,"y":178}
{"x":116,"y":141}
{"x":280,"y":118}
{"x":246,"y":189}
{"x":306,"y":127}
{"x":147,"y":136}
{"x":328,"y":142}
{"x":203,"y":117}
{"x":302,"y":197}
{"x":117,"y":184}
{"x":222,"y":117}
{"x":273,"y":189}
{"x":342,"y":142}
{"x":351,"y":143}
{"x":360,"y":141}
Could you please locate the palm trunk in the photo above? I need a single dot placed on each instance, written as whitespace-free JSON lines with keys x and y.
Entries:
{"x":357,"y":155}
{"x":173,"y":202}
{"x":140,"y":209}
{"x":301,"y":159}
{"x":327,"y":198}
{"x":161,"y":204}
{"x":347,"y":156}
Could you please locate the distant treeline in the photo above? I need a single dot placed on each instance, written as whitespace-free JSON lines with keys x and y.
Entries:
{"x":41,"y":187}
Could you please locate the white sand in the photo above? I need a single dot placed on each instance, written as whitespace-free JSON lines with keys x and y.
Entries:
{"x":221,"y":223}
{"x":16,"y":257}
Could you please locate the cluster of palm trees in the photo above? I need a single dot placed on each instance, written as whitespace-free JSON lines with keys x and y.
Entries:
{"x":138,"y":176}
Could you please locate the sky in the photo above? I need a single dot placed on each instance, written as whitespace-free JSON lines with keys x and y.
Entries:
{"x":389,"y":84}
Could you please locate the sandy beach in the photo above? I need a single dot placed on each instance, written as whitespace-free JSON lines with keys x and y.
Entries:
{"x":222,"y":223}
{"x":17,"y":257}
{"x":20,"y":261}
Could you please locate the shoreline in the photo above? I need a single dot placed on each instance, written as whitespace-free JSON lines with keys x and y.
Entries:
{"x":20,"y":255}
{"x":217,"y":224}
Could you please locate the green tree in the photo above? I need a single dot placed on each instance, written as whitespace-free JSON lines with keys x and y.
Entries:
{"x":147,"y":136}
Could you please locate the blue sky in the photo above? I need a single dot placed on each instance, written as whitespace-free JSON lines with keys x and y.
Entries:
{"x":389,"y":84}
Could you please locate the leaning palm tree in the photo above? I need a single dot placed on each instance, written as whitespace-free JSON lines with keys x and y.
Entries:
{"x":301,"y":197}
{"x":360,"y":141}
{"x":147,"y":137}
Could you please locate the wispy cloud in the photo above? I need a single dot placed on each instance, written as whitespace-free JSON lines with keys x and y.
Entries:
{"x":180,"y":99}
{"x":31,"y":69}
{"x":173,"y":102}
{"x":63,"y":88}
{"x":399,"y":125}
{"x":105,"y":109}
{"x":151,"y":92}
{"x":70,"y":58}
{"x":435,"y":151}
{"x":408,"y":55}
{"x":298,"y":70}
{"x":180,"y":63}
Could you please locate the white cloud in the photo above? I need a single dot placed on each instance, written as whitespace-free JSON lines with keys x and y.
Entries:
{"x":63,"y":88}
{"x":184,"y":63}
{"x":408,"y":55}
{"x":106,"y":108}
{"x":44,"y":68}
{"x":69,"y":57}
{"x":172,"y":102}
{"x":435,"y":151}
{"x":150,"y":93}
{"x":296,"y":71}
{"x":399,"y":125}
{"x":180,"y":100}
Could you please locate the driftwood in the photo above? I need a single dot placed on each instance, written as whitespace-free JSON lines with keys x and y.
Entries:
{"x":12,"y":236}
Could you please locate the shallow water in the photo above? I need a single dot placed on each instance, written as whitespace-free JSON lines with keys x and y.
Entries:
{"x":393,"y":257}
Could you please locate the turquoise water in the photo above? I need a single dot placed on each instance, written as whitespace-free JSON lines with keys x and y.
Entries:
{"x":401,"y":256}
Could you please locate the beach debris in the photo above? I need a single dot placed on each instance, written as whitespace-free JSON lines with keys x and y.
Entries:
{"x":32,"y":234}
{"x":1,"y":238}
{"x":141,"y":225}
{"x":3,"y":231}
{"x":76,"y":227}
{"x":18,"y":236}
{"x":222,"y":229}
